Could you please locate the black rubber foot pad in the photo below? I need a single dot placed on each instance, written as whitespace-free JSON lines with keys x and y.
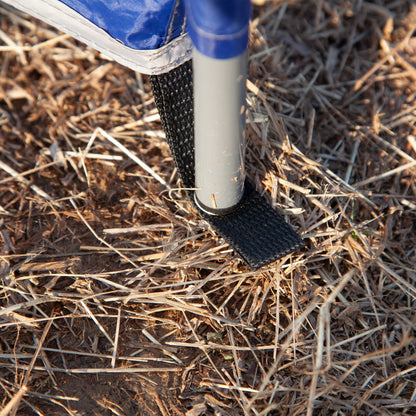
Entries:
{"x":254,"y":230}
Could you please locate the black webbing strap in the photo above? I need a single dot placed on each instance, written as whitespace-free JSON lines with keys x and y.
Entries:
{"x":174,"y":100}
{"x":254,"y":229}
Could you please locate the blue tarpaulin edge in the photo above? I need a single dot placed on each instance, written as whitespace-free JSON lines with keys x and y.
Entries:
{"x":144,"y":52}
{"x":137,"y":24}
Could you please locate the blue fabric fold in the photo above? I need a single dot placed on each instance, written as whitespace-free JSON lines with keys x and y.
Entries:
{"x":138,"y":24}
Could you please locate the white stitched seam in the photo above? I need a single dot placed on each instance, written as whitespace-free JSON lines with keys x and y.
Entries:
{"x":154,"y":61}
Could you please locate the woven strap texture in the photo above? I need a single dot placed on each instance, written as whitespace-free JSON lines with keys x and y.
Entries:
{"x":173,"y":94}
{"x":254,"y":229}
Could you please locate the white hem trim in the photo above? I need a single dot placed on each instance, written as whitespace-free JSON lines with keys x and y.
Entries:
{"x":151,"y":62}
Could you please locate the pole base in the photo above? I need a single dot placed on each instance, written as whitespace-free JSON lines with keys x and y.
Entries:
{"x":253,"y":229}
{"x":213,"y":211}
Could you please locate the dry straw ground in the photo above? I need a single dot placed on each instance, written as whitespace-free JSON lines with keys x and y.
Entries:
{"x":116,"y":299}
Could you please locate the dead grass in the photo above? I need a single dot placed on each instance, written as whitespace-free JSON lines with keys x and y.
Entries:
{"x":116,"y":299}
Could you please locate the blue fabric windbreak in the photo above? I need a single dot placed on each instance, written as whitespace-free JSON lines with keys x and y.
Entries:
{"x":149,"y":36}
{"x":219,"y":28}
{"x":138,"y":24}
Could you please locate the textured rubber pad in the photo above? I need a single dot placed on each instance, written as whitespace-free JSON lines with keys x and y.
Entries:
{"x":254,"y":229}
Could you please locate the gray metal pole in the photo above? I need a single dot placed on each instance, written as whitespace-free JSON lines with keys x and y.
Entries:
{"x":219,"y":97}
